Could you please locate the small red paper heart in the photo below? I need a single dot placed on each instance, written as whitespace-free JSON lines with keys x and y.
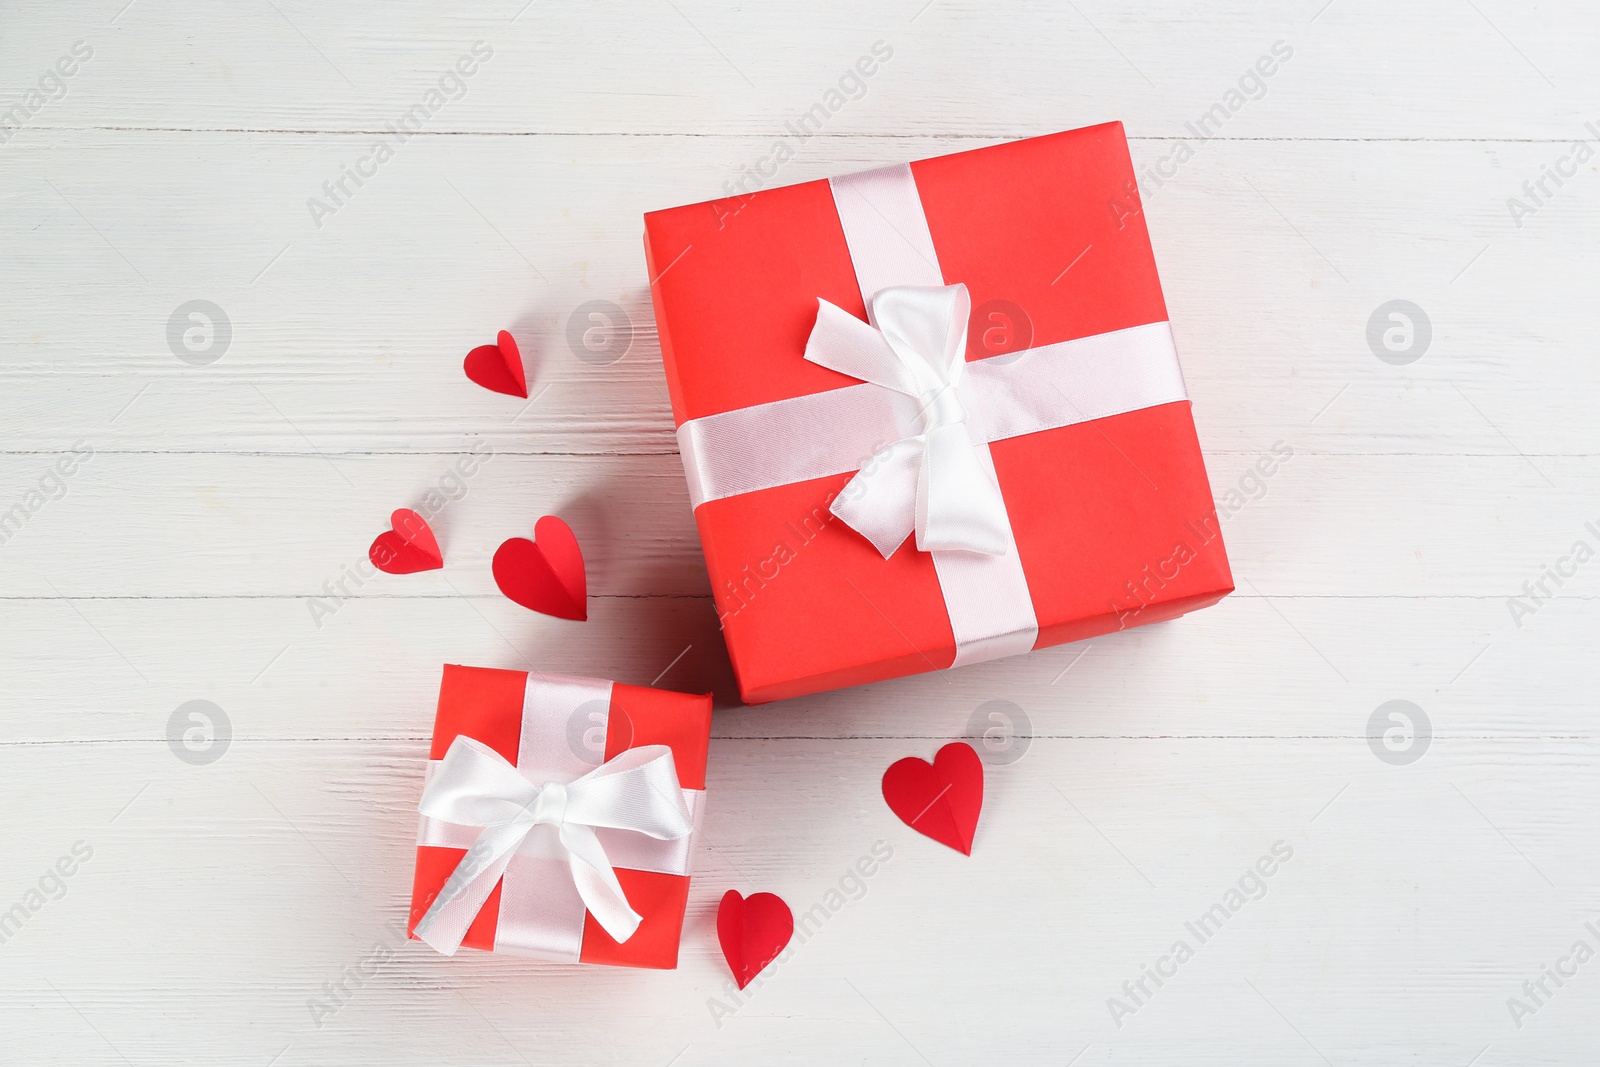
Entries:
{"x":941,"y":799}
{"x":752,"y":931}
{"x":408,"y":548}
{"x":546,"y":574}
{"x":498,"y":366}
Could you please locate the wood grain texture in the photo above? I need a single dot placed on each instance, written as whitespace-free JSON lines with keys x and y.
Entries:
{"x":349,"y":337}
{"x":206,"y":543}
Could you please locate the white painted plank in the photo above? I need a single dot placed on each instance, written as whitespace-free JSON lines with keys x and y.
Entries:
{"x":218,"y":902}
{"x":349,"y":338}
{"x":1249,"y":667}
{"x":146,"y":525}
{"x":1356,"y":70}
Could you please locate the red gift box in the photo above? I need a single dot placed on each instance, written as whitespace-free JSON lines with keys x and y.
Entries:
{"x":1112,"y":517}
{"x":554,"y":728}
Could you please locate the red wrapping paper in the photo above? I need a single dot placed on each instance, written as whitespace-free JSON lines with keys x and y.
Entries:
{"x":487,"y":704}
{"x":1113,"y":518}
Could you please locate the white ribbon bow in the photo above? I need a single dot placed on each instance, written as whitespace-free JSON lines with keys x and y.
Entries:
{"x":637,"y":790}
{"x":931,"y":481}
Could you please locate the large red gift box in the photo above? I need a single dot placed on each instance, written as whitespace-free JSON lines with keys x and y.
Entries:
{"x":1113,"y":517}
{"x":555,"y":727}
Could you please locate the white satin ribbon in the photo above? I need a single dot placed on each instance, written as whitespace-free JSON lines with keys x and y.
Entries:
{"x":819,"y":435}
{"x":624,"y":848}
{"x":637,"y":791}
{"x":917,"y":430}
{"x":930,"y":482}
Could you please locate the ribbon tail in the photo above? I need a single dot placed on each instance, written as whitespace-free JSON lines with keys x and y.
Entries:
{"x":452,"y":912}
{"x":597,"y":883}
{"x":879,"y":503}
{"x":958,"y":506}
{"x":637,"y":790}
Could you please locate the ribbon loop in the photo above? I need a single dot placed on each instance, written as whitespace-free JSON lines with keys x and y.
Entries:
{"x":637,"y":790}
{"x":932,"y":483}
{"x":926,"y":326}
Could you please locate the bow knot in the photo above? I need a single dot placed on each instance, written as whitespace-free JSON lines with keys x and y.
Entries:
{"x":942,"y":407}
{"x":474,"y":785}
{"x":550,"y":806}
{"x":933,"y":481}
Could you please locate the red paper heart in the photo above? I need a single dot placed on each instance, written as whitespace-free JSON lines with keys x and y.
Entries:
{"x":498,"y":366}
{"x":546,"y":576}
{"x":752,"y":931}
{"x":408,"y":548}
{"x":941,"y":799}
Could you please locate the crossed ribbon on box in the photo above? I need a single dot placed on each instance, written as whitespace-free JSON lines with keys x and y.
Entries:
{"x":474,"y":785}
{"x":941,"y":413}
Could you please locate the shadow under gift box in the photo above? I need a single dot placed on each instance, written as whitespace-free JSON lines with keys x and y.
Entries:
{"x":1113,"y":518}
{"x":490,"y":705}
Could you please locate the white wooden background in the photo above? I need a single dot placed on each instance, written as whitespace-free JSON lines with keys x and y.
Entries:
{"x":1150,"y":769}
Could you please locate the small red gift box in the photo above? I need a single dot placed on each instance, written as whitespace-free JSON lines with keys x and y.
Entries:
{"x":524,"y":747}
{"x":973,"y":346}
